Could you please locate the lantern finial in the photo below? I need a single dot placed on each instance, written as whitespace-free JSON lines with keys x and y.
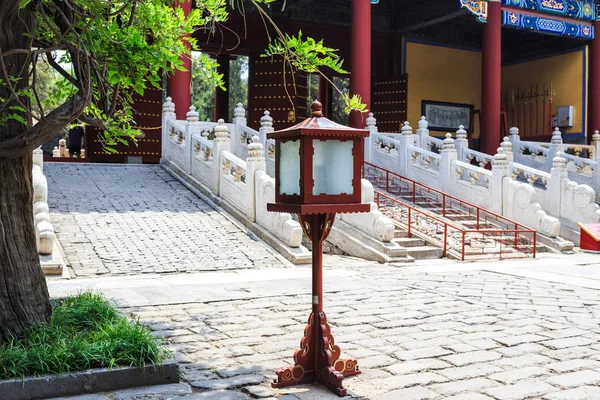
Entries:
{"x":317,"y":109}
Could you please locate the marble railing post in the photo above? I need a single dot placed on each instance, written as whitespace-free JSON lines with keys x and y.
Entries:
{"x":38,"y":158}
{"x":422,"y":133}
{"x":596,"y":144}
{"x":508,"y":149}
{"x":239,"y":120}
{"x":500,"y":171}
{"x":220,"y":143}
{"x":448,"y":155}
{"x":191,"y":127}
{"x":168,"y":114}
{"x":266,"y":126}
{"x":372,"y":128}
{"x":406,"y":140}
{"x":558,"y":177}
{"x":514,"y":139}
{"x":461,"y":142}
{"x":556,"y":146}
{"x":255,"y":162}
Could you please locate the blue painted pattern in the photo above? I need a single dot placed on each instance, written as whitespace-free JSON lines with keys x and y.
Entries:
{"x":547,"y":25}
{"x":578,"y":9}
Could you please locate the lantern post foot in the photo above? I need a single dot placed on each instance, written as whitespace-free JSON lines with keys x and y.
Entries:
{"x":317,"y":360}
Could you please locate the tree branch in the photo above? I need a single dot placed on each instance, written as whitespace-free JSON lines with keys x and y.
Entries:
{"x":44,"y":130}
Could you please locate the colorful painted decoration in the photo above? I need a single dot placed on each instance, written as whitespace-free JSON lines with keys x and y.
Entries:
{"x":476,"y":7}
{"x":579,"y":9}
{"x":547,"y":25}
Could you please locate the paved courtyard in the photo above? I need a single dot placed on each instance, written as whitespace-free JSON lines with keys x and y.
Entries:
{"x":437,"y":329}
{"x":121,"y":220}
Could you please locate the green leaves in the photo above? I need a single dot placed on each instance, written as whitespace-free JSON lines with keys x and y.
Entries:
{"x":305,"y":55}
{"x":311,"y":56}
{"x":120,"y":48}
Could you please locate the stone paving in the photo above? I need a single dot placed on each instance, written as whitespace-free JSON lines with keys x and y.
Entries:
{"x":116,"y":219}
{"x":444,"y":335}
{"x":434,"y":330}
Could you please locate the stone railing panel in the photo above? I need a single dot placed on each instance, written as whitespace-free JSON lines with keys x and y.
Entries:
{"x":424,"y":158}
{"x":471,"y":174}
{"x":386,"y":151}
{"x":281,"y":225}
{"x":176,"y":143}
{"x":482,"y":159}
{"x":578,"y":203}
{"x":373,"y":223}
{"x":519,"y":204}
{"x":202,"y":159}
{"x":430,"y":143}
{"x":233,"y":180}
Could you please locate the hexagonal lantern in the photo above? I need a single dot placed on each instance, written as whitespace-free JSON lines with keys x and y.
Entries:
{"x":317,"y":174}
{"x":318,"y":166}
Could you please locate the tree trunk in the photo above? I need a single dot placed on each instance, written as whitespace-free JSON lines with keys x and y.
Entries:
{"x":23,"y":291}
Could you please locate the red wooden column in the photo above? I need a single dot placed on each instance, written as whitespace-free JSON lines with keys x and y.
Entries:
{"x":179,"y":83}
{"x":491,"y":92}
{"x":221,"y":96}
{"x":594,"y":83}
{"x":360,"y":62}
{"x":325,"y":94}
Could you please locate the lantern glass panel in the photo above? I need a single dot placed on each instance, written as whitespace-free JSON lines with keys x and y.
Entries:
{"x":289,"y":167}
{"x":333,"y":167}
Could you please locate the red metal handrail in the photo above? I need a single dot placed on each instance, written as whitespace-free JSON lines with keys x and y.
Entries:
{"x":413,"y":228}
{"x":499,"y":218}
{"x":518,"y":236}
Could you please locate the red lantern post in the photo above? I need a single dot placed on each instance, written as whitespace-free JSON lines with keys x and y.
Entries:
{"x":318,"y":174}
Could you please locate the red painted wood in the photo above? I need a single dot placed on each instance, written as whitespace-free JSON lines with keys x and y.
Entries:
{"x":594,"y":83}
{"x":360,"y":62}
{"x":267,"y":91}
{"x":318,"y":358}
{"x":148,"y":118}
{"x":389,"y":102}
{"x":222,"y":96}
{"x":491,"y":90}
{"x":179,"y":83}
{"x":589,"y":238}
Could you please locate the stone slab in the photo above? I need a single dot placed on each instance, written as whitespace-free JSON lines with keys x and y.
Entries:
{"x":91,"y":381}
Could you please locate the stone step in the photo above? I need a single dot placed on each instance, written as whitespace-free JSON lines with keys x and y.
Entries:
{"x":400,"y":233}
{"x":409,"y":242}
{"x":424,"y":252}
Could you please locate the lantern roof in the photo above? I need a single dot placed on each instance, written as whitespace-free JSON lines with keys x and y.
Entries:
{"x":318,"y":125}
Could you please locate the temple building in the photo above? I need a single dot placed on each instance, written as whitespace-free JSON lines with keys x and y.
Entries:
{"x":486,"y":65}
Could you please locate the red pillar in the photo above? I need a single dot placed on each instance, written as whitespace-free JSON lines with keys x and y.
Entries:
{"x":179,"y":83}
{"x":593,"y":111}
{"x":325,"y":94}
{"x":221,"y":96}
{"x":360,"y":63}
{"x":490,"y":134}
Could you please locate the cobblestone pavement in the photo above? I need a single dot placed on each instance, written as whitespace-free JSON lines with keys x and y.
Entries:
{"x":462,"y":335}
{"x":434,"y":330}
{"x":138,"y":219}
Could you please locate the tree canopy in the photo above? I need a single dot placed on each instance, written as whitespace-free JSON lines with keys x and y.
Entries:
{"x":116,"y":48}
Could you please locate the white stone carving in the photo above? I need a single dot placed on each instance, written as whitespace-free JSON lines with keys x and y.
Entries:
{"x":373,"y":223}
{"x":279,"y":224}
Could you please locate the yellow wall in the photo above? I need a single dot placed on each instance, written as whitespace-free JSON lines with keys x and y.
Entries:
{"x":441,"y":74}
{"x":563,"y":71}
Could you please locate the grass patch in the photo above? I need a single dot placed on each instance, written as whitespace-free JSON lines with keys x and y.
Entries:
{"x":84,"y":332}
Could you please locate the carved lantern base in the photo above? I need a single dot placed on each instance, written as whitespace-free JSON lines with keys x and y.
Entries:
{"x":318,"y":359}
{"x":325,"y":367}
